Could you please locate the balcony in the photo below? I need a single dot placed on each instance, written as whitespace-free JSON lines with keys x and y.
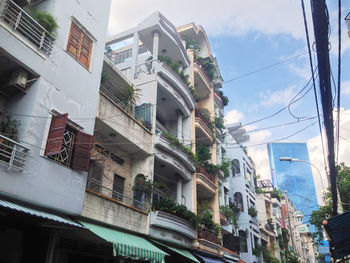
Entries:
{"x":203,"y":132}
{"x":174,"y":155}
{"x":13,"y":155}
{"x":201,"y":80}
{"x":218,"y":100}
{"x":21,"y":22}
{"x":206,"y":183}
{"x":208,"y":236}
{"x":103,"y":204}
{"x":175,"y":85}
{"x":173,"y":223}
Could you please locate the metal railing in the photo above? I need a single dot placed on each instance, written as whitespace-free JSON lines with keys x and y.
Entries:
{"x":96,"y":186}
{"x":12,"y":154}
{"x":26,"y":25}
{"x":200,"y":169}
{"x":201,"y":66}
{"x":208,"y":235}
{"x":126,"y":109}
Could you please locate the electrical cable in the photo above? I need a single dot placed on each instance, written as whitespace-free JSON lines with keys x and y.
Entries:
{"x":314,"y":82}
{"x":339,"y":77}
{"x":264,"y":68}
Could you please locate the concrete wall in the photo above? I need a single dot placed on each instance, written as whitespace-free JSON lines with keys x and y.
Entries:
{"x":104,"y":210}
{"x":65,"y":86}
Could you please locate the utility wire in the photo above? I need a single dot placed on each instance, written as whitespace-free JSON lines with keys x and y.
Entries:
{"x":314,"y":83}
{"x":339,"y":76}
{"x":264,"y":68}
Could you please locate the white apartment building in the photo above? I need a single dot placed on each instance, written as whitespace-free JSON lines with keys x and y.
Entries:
{"x":242,"y":195}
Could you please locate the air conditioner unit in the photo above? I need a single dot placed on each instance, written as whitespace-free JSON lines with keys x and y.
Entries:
{"x":19,"y":80}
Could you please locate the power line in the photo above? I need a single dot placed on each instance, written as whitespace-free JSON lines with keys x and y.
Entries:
{"x":339,"y":73}
{"x":264,"y":68}
{"x":314,"y":83}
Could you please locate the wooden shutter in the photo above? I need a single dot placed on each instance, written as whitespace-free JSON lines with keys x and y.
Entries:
{"x":82,"y":151}
{"x":56,"y":133}
{"x":74,"y":39}
{"x":85,"y":51}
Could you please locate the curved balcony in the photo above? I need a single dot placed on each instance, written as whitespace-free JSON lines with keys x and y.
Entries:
{"x":218,"y":100}
{"x":174,"y":156}
{"x":203,"y":132}
{"x":173,"y":223}
{"x":206,"y":183}
{"x":175,"y":85}
{"x":201,"y":80}
{"x":208,"y":235}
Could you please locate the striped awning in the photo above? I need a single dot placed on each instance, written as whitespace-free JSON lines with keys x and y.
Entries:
{"x":128,"y":245}
{"x":38,"y":213}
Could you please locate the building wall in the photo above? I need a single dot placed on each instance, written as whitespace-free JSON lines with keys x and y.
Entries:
{"x":65,"y":86}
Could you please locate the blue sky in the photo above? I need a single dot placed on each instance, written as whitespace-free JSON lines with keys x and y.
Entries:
{"x":246,"y":36}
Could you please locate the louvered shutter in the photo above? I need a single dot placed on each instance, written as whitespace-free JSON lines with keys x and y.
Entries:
{"x":85,"y":51}
{"x":73,"y":44}
{"x":82,"y":150}
{"x":56,"y":133}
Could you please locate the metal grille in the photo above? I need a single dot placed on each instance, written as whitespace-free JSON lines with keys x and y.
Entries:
{"x":23,"y":23}
{"x":12,"y":154}
{"x":65,"y":156}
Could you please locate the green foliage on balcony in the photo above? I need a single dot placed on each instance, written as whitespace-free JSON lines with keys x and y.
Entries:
{"x":169,"y":206}
{"x":192,"y":44}
{"x":203,"y":153}
{"x":223,"y":97}
{"x":225,"y":167}
{"x":230,"y":213}
{"x":257,"y":250}
{"x":177,"y":144}
{"x":252,"y":211}
{"x":206,"y":220}
{"x":46,"y":20}
{"x":206,"y":115}
{"x":208,"y":66}
{"x":175,"y":66}
{"x":9,"y":127}
{"x":268,"y":255}
{"x":219,"y":123}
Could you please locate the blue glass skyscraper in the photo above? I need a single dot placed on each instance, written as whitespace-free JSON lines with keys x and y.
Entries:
{"x":294,"y":177}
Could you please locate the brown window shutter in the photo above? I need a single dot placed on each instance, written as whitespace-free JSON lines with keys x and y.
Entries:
{"x":74,"y":40}
{"x":82,"y":150}
{"x":85,"y":51}
{"x":56,"y":133}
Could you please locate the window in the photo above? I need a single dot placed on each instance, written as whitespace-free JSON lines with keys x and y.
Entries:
{"x":139,"y":191}
{"x":239,"y":201}
{"x":243,"y":246}
{"x":95,"y":177}
{"x":79,"y":45}
{"x":236,"y":170}
{"x":118,"y":187}
{"x":67,"y":145}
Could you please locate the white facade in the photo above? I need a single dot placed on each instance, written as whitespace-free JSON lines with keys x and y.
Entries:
{"x":242,"y":183}
{"x":58,"y":83}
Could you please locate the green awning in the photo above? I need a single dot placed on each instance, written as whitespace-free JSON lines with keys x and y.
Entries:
{"x":128,"y":245}
{"x":180,"y":251}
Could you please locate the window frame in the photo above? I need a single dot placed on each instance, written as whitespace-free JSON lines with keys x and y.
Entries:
{"x":80,"y":45}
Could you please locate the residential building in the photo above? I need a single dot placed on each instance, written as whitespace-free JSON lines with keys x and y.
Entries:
{"x":173,"y":88}
{"x":46,"y":80}
{"x":242,"y":196}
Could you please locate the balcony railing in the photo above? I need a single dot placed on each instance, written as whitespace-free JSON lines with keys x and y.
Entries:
{"x":23,"y":23}
{"x":96,"y":186}
{"x":130,"y":112}
{"x":201,"y":66}
{"x":12,"y":154}
{"x":201,"y":116}
{"x":208,"y":235}
{"x":200,"y":169}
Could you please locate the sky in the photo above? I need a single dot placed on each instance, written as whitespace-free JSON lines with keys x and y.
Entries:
{"x":247,"y":36}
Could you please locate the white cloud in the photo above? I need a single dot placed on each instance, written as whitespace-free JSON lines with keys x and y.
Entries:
{"x":316,"y":156}
{"x":233,"y":116}
{"x":279,"y":97}
{"x":230,"y":17}
{"x":345,"y":87}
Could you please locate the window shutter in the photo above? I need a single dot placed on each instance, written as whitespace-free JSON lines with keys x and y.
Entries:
{"x":73,"y":44}
{"x":85,"y":51}
{"x":82,"y":150}
{"x":56,"y":133}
